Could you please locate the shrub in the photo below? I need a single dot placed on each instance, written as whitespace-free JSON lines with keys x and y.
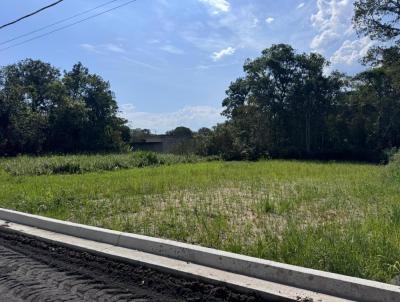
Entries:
{"x":145,"y":159}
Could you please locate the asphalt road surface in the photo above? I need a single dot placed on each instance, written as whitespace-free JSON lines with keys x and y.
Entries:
{"x":32,"y":270}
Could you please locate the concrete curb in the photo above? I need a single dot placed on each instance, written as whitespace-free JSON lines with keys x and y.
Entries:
{"x":309,"y":279}
{"x":265,"y":290}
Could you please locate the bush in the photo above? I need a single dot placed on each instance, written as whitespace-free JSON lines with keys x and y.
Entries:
{"x":145,"y":159}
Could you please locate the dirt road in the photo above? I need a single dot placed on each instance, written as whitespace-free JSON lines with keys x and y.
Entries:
{"x":32,"y":270}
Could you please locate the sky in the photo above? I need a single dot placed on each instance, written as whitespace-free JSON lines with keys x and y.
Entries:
{"x":169,"y":62}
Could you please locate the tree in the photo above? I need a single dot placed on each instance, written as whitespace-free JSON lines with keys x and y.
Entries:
{"x":31,"y":82}
{"x":68,"y":123}
{"x":180,"y":132}
{"x":378,"y":89}
{"x":40,"y":111}
{"x":202,"y":141}
{"x":224,"y":142}
{"x":280,"y":106}
{"x":103,"y":129}
{"x":27,"y":91}
{"x":376,"y":110}
{"x":204,"y":131}
{"x":380,"y":21}
{"x":138,"y":135}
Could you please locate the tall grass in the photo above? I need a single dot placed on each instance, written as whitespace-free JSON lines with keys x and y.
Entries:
{"x":75,"y":164}
{"x":338,"y":217}
{"x":393,"y":167}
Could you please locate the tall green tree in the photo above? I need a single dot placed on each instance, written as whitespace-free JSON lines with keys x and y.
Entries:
{"x":26,"y":96}
{"x":42,"y":111}
{"x":281,"y":105}
{"x":92,"y":112}
{"x":378,"y":88}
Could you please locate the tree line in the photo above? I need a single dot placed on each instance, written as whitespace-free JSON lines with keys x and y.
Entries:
{"x":42,"y":111}
{"x":287,"y":107}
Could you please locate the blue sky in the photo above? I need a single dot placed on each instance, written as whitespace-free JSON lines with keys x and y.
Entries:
{"x":169,"y":62}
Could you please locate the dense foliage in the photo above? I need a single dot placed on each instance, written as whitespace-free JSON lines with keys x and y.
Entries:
{"x":283,"y":105}
{"x":42,"y":111}
{"x":286,"y":106}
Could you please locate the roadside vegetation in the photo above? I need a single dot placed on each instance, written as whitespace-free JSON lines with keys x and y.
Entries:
{"x":73,"y":164}
{"x":338,"y":217}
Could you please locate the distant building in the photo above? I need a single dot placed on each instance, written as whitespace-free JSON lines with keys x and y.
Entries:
{"x":160,"y":143}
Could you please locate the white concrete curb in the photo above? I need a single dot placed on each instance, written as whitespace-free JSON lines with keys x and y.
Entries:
{"x":265,"y":290}
{"x":309,"y":279}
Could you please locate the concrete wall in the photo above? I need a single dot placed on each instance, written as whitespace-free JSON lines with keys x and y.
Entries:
{"x":160,"y":143}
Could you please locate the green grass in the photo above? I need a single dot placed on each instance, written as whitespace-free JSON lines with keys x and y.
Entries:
{"x":75,"y":164}
{"x":338,"y":217}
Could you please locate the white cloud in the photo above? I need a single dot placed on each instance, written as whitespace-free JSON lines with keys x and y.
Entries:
{"x":153,"y":41}
{"x":89,"y":47}
{"x":351,"y":51}
{"x":204,"y":42}
{"x":333,"y":21}
{"x":103,"y":48}
{"x":218,"y":55}
{"x":335,"y":32}
{"x":300,"y":5}
{"x":140,"y":63}
{"x":239,"y":27}
{"x":255,"y":22}
{"x":209,"y":66}
{"x":172,"y":49}
{"x":269,"y":20}
{"x":114,"y":48}
{"x":243,"y":30}
{"x":218,"y":6}
{"x":193,"y":117}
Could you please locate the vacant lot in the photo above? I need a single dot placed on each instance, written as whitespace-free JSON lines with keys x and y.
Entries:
{"x":342,"y":218}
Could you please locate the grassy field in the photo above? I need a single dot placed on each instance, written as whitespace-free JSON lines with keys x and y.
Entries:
{"x":338,"y":217}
